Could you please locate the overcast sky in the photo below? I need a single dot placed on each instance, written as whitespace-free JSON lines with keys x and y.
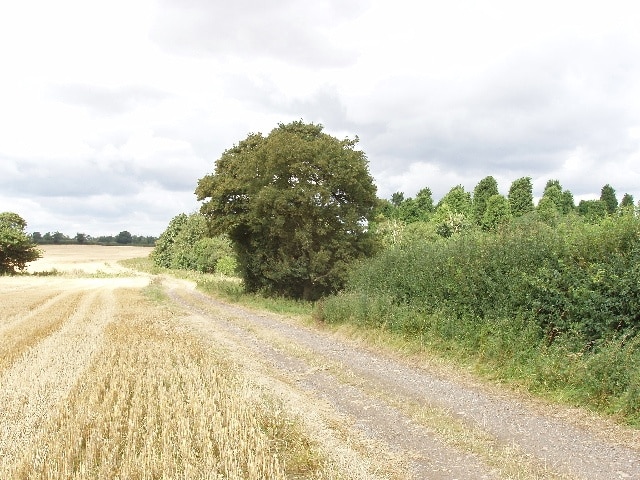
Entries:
{"x":111,"y":111}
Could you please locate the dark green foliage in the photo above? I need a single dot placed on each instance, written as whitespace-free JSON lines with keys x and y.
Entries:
{"x":485,"y":189}
{"x":608,"y":196}
{"x":163,"y":252}
{"x":553,"y":194}
{"x":16,"y":248}
{"x":497,"y":213}
{"x":627,"y":201}
{"x":124,"y":238}
{"x":397,"y":198}
{"x":577,"y":279}
{"x":521,"y":196}
{"x":407,"y":210}
{"x":295,"y":205}
{"x":592,"y":210}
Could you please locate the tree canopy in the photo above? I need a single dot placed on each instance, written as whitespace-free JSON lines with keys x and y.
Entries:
{"x":16,"y":248}
{"x":296,"y":205}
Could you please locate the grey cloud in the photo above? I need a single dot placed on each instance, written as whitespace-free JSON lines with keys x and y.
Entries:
{"x":288,"y":30}
{"x":55,"y":178}
{"x":105,"y":100}
{"x":524,"y":115}
{"x":324,"y":106}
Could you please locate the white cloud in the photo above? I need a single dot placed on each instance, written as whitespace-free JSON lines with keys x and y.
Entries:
{"x":112,"y":111}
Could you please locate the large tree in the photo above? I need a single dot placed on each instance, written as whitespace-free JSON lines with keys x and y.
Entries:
{"x":608,"y":196}
{"x":521,"y":196}
{"x":295,"y":204}
{"x":16,"y":248}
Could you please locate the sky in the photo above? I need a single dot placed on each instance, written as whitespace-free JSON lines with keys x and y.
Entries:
{"x":110,"y":112}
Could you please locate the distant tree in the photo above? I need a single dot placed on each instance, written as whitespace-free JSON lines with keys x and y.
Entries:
{"x":424,"y":201}
{"x":485,"y":189}
{"x":397,"y":198}
{"x":608,"y":196}
{"x":553,"y":194}
{"x":296,"y":205}
{"x":547,"y":209}
{"x":454,"y":212}
{"x":567,"y":204}
{"x":81,"y":238}
{"x":16,"y":248}
{"x":36,"y":237}
{"x":124,"y":238}
{"x":411,"y":210}
{"x":458,"y":200}
{"x":521,"y":196}
{"x":47,"y":238}
{"x":627,"y":201}
{"x":592,"y":210}
{"x":58,"y":238}
{"x":497,"y":212}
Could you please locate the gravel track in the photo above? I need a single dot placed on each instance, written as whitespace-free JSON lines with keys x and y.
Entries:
{"x":378,"y":394}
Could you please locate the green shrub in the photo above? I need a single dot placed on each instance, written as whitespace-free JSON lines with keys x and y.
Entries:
{"x":555,"y":307}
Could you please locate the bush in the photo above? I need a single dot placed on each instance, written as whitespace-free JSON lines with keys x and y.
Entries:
{"x":185,"y":245}
{"x":558,"y":308}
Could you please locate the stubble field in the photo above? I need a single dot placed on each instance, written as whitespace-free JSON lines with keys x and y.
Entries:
{"x":98,"y":380}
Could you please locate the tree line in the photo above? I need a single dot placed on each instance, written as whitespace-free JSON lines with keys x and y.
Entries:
{"x":485,"y":208}
{"x":122,"y":238}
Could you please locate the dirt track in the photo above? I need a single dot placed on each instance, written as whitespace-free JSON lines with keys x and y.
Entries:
{"x":372,"y":416}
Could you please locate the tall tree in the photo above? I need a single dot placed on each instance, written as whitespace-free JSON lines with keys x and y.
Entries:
{"x":397,"y":198}
{"x":608,"y":196}
{"x":521,"y":196}
{"x":497,"y":213}
{"x":485,"y":189}
{"x":16,"y":248}
{"x":552,"y":196}
{"x":627,"y":201}
{"x":567,"y":204}
{"x":296,"y":205}
{"x":454,"y":212}
{"x":124,"y":238}
{"x":592,"y":210}
{"x":411,"y":210}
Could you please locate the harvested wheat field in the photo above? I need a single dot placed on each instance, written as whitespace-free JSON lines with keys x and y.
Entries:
{"x":108,"y":373}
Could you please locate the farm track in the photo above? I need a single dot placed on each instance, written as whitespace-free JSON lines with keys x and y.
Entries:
{"x":440,"y":426}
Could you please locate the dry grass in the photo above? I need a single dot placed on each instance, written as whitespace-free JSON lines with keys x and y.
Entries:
{"x":155,"y":403}
{"x":99,"y":381}
{"x":20,"y":332}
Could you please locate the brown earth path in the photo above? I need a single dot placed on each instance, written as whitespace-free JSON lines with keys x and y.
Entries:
{"x":442,"y":427}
